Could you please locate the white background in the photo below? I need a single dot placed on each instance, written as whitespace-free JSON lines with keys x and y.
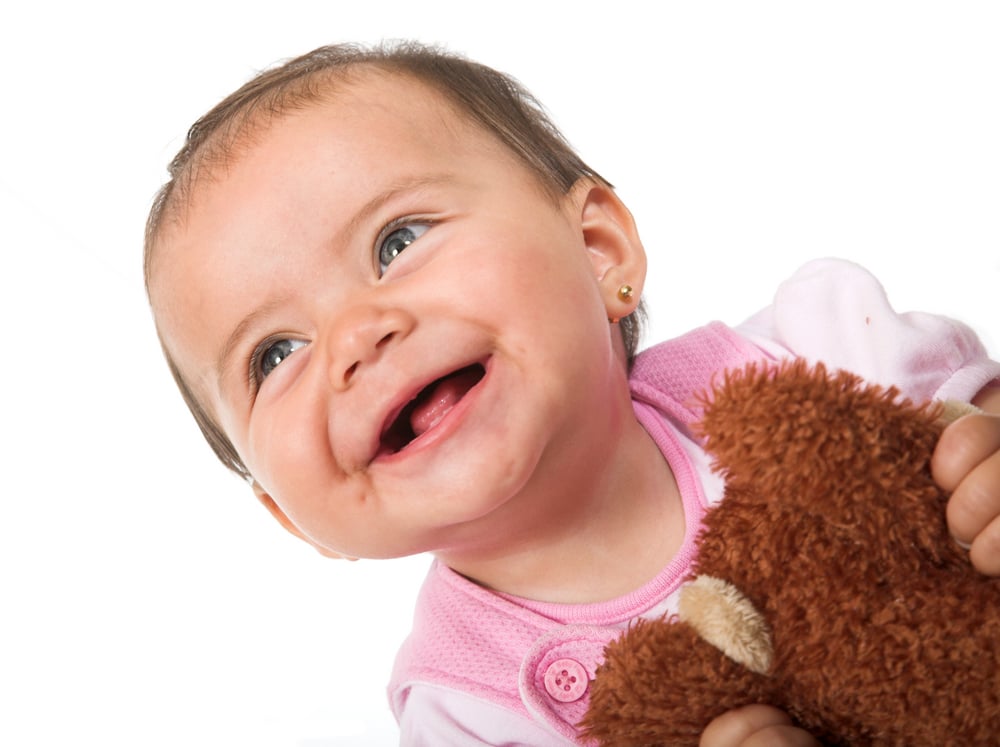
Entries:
{"x":145,"y":599}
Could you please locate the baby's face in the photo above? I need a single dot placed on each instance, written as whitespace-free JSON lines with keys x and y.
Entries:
{"x":404,"y":338}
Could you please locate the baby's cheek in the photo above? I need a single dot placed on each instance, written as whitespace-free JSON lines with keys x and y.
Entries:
{"x":281,"y":457}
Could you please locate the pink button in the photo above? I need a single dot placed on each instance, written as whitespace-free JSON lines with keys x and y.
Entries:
{"x":566,"y":680}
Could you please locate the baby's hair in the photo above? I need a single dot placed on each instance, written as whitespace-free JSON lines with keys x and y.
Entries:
{"x":494,"y":101}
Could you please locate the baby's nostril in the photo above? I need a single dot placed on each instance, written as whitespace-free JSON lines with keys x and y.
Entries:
{"x":349,"y":373}
{"x":385,"y":339}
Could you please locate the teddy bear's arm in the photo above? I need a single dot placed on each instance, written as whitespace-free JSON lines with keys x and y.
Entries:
{"x":661,"y":684}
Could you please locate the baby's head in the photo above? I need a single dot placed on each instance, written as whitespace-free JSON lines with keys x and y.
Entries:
{"x":286,"y":227}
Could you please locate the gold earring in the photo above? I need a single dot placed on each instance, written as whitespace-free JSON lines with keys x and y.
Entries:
{"x":625,"y":293}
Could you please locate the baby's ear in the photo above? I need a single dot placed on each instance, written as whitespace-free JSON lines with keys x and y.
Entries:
{"x":282,"y":518}
{"x":613,"y":244}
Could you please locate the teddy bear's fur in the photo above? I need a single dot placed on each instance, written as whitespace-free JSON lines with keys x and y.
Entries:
{"x":827,"y":568}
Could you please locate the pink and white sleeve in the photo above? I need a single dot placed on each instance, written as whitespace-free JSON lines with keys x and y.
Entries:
{"x":836,"y":312}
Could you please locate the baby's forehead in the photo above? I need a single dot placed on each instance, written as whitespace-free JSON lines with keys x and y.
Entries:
{"x":344,"y":116}
{"x":347,"y":112}
{"x":341,"y":93}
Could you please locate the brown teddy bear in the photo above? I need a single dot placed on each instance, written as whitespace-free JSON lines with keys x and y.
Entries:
{"x":826,"y":585}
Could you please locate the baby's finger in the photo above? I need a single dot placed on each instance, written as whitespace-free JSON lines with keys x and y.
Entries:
{"x":985,"y":550}
{"x":780,"y":736}
{"x":755,"y":726}
{"x":975,"y":503}
{"x":962,"y":447}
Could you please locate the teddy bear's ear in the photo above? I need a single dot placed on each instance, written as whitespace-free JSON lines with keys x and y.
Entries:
{"x":796,"y":429}
{"x":727,"y":619}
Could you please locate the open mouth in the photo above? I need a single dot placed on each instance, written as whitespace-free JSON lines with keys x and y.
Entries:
{"x":429,"y":407}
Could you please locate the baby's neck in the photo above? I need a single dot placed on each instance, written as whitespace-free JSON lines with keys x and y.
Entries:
{"x":601,"y":544}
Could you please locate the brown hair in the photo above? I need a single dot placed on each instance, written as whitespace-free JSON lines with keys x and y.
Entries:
{"x":492,"y":100}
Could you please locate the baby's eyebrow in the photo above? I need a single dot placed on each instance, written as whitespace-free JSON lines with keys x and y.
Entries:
{"x":224,"y":362}
{"x":393,"y":190}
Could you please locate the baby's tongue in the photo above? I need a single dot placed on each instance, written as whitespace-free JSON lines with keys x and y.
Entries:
{"x":437,"y":399}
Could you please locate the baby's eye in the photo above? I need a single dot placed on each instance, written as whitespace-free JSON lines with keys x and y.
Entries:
{"x":269,"y":355}
{"x":391,"y":245}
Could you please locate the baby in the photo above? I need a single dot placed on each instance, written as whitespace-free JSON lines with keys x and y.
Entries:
{"x":401,"y":306}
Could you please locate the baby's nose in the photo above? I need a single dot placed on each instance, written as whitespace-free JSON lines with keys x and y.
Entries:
{"x":360,"y":337}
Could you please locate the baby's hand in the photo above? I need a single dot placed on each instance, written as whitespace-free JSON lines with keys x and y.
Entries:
{"x":755,"y":726}
{"x":966,"y":463}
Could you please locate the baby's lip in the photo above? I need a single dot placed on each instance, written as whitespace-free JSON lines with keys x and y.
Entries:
{"x":395,"y":432}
